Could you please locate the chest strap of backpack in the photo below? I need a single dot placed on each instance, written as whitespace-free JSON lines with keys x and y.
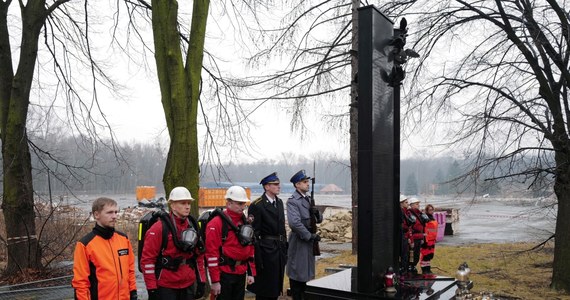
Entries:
{"x":224,"y":260}
{"x":168,"y":262}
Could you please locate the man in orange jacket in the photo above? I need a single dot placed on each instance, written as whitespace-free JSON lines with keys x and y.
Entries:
{"x":103,"y":262}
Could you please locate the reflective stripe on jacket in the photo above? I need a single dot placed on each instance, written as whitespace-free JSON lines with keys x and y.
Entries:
{"x":431,"y":232}
{"x":185,"y":275}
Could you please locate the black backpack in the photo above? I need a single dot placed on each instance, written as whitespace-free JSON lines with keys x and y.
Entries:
{"x":152,"y":217}
{"x":227,"y":224}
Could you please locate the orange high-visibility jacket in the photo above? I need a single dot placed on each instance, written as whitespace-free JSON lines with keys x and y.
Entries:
{"x":431,"y":232}
{"x":103,"y":268}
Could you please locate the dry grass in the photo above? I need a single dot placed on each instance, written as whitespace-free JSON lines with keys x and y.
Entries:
{"x":508,"y":270}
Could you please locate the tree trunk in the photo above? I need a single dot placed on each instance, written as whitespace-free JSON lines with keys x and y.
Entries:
{"x":18,"y":198}
{"x":561,"y":264}
{"x":18,"y":201}
{"x":180,"y":90}
{"x":354,"y":125}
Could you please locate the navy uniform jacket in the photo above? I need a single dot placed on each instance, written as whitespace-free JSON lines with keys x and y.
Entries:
{"x":271,"y":250}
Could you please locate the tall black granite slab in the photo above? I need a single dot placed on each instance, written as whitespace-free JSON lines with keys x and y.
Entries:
{"x":378,"y":152}
{"x":379,"y":229}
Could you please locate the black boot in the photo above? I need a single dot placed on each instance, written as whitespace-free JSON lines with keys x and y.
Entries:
{"x":425,"y":270}
{"x":429,"y":270}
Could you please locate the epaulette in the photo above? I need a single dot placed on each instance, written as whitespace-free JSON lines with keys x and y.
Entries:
{"x":258,"y":200}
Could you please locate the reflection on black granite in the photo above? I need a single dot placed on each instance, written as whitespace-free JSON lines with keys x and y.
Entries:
{"x":342,"y":285}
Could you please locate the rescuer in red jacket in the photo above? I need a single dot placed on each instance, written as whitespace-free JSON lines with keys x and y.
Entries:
{"x":170,"y":273}
{"x":417,"y":231}
{"x":103,"y":261}
{"x":230,"y":262}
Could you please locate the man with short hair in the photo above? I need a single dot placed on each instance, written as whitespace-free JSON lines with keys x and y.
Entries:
{"x":230,"y":256}
{"x":103,"y":261}
{"x":301,"y":262}
{"x":271,"y":249}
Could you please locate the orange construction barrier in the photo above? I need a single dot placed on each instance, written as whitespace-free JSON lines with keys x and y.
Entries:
{"x":215,"y":197}
{"x":145,"y":192}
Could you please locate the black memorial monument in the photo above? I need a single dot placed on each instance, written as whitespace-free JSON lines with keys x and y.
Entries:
{"x":379,"y":230}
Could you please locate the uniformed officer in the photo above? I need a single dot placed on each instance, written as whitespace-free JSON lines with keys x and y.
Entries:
{"x":271,"y":249}
{"x":301,"y":262}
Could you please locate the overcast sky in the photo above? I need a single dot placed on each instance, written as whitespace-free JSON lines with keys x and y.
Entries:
{"x":138,"y":116}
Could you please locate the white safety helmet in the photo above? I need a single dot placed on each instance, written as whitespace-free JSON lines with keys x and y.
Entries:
{"x":403,"y":198}
{"x":180,"y":193}
{"x":237,"y":193}
{"x":414,"y":200}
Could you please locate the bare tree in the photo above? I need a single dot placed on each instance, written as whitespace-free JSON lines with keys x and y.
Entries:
{"x":503,"y":84}
{"x":317,"y":40}
{"x":503,"y":88}
{"x":65,"y":29}
{"x":194,"y":86}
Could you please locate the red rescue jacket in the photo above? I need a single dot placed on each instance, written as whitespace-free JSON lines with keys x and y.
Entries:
{"x":418,"y":227}
{"x":185,"y":275}
{"x":244,"y":256}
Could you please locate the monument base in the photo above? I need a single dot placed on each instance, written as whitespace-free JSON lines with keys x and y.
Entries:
{"x":342,"y":285}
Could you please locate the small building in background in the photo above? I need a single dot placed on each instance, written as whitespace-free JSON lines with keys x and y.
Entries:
{"x":331,"y":189}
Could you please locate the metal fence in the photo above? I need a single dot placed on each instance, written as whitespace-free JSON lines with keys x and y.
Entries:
{"x":49,"y":289}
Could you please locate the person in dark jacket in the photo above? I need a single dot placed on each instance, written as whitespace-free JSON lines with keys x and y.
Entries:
{"x":271,"y":249}
{"x":301,"y":262}
{"x":407,"y":222}
{"x":172,"y":277}
{"x":103,"y":261}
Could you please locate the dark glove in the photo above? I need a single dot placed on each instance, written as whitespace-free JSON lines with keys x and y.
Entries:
{"x":200,"y":290}
{"x":134,"y":295}
{"x":315,"y":237}
{"x":314,"y":211}
{"x":153,"y":295}
{"x":317,"y":214}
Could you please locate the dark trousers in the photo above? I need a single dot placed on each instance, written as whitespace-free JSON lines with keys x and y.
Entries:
{"x":405,"y":253}
{"x":297,"y":289}
{"x":233,"y":286}
{"x":175,"y":294}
